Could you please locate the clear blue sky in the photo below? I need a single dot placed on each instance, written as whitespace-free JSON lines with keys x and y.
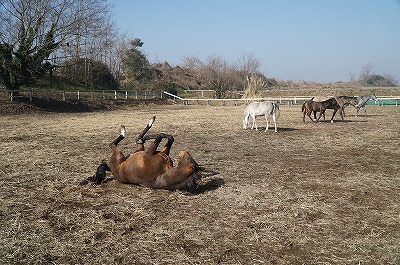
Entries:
{"x":312,"y":40}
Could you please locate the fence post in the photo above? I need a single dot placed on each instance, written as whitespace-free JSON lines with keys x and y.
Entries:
{"x":63,"y":93}
{"x":30,"y":95}
{"x":78,"y":95}
{"x":11,"y":96}
{"x":126,"y":94}
{"x":104,"y":95}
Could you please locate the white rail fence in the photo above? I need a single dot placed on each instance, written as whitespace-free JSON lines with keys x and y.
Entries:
{"x":295,"y":100}
{"x":79,"y":95}
{"x":139,"y":94}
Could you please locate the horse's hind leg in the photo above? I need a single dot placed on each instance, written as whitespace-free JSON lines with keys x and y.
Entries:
{"x":274,"y":118}
{"x":309,"y":115}
{"x":117,"y":157}
{"x":119,"y":138}
{"x":266,"y":120}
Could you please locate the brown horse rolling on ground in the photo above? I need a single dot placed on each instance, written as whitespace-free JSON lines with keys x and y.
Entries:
{"x":150,"y":168}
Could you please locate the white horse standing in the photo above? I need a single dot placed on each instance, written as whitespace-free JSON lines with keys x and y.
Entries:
{"x":265,"y":108}
{"x":362,"y":101}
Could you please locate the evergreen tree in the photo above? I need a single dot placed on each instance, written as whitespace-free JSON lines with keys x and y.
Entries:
{"x":136,"y":67}
{"x":24,"y":63}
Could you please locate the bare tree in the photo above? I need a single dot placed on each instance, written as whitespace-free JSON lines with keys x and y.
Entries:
{"x":248,"y":64}
{"x":366,"y":71}
{"x":392,"y":79}
{"x":192,"y":62}
{"x":352,"y":77}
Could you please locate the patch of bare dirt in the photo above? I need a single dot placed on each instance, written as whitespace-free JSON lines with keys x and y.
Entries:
{"x":310,"y":194}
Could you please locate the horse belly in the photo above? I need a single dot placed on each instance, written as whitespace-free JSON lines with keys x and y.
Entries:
{"x":143,"y":169}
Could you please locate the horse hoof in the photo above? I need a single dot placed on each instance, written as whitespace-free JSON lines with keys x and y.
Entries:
{"x":123,"y":130}
{"x":151,"y":121}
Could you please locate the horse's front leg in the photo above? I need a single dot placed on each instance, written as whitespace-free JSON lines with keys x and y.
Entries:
{"x":365,"y":111}
{"x":333,"y":115}
{"x":254,"y":122}
{"x":341,"y":111}
{"x":167,"y":147}
{"x":157,"y":140}
{"x":320,"y":115}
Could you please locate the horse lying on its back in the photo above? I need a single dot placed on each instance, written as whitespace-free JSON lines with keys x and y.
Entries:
{"x":149,"y":167}
{"x":265,"y":108}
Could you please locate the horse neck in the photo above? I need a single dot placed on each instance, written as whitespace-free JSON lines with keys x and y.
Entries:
{"x":365,"y":98}
{"x":328,"y":102}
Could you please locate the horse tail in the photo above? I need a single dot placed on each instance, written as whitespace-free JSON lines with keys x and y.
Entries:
{"x":99,"y":176}
{"x":275,"y":109}
{"x":303,"y":107}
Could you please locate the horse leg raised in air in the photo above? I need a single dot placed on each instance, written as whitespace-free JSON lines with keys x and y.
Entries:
{"x":265,"y":109}
{"x":149,"y":167}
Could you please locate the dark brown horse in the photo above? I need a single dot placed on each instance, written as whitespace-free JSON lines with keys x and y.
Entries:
{"x":311,"y":106}
{"x":150,"y":168}
{"x":335,"y":103}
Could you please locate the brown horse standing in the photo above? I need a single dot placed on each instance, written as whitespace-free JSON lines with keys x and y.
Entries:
{"x":310,"y":106}
{"x":335,"y":103}
{"x":150,"y":168}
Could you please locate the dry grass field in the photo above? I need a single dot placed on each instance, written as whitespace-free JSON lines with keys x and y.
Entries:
{"x":310,"y":194}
